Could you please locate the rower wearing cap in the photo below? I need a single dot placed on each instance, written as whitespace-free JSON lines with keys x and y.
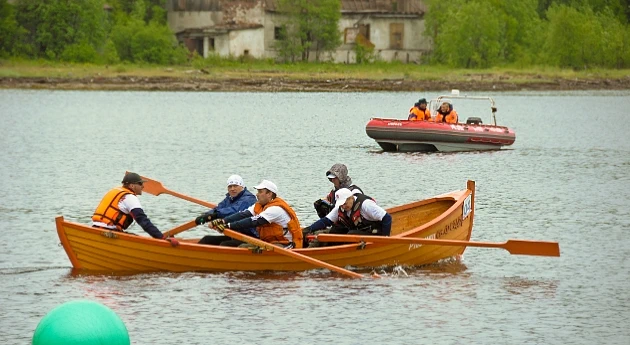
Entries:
{"x":338,"y":176}
{"x":357,"y":213}
{"x":237,"y":199}
{"x":121,"y":206}
{"x":272,"y":218}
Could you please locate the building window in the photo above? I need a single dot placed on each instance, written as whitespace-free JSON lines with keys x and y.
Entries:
{"x":364,"y":29}
{"x":278,"y":33}
{"x":396,"y":35}
{"x":350,"y":35}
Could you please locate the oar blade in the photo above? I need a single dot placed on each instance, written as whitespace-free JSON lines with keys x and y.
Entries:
{"x":539,"y":248}
{"x":156,"y":188}
{"x":153,"y":187}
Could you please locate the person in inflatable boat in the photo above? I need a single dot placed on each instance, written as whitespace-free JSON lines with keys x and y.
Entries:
{"x":419,"y":111}
{"x":446,"y":113}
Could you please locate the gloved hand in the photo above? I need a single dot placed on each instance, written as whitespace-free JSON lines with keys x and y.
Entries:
{"x":306,"y":231}
{"x":206,"y":217}
{"x":218,"y":224}
{"x":212,"y":214}
{"x":201,"y":219}
{"x":172,"y":240}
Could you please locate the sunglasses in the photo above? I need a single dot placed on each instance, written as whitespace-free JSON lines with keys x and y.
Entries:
{"x":140,"y":183}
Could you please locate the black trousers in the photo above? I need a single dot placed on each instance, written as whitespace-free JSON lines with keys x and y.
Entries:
{"x":226,"y":241}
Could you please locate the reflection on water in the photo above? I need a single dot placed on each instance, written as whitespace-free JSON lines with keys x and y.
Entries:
{"x":565,"y":179}
{"x":533,"y":289}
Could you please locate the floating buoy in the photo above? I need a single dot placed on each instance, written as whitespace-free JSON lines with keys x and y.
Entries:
{"x":81,"y":322}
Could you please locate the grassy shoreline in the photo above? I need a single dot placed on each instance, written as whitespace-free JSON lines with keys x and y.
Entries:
{"x":228,"y":74}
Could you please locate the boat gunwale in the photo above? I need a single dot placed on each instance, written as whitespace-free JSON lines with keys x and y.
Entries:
{"x":456,"y":197}
{"x":423,"y":124}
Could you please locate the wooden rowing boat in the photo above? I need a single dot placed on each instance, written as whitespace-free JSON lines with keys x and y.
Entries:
{"x":448,"y":216}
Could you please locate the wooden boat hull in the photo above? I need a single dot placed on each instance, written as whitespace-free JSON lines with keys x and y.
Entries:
{"x":425,"y":136}
{"x":449,"y":216}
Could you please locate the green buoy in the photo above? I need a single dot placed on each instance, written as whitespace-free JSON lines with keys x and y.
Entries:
{"x":81,"y":322}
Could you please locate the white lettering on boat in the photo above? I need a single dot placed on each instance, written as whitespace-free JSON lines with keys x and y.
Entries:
{"x":458,"y":127}
{"x":455,"y":224}
{"x":394,"y":124}
{"x":467,"y":207}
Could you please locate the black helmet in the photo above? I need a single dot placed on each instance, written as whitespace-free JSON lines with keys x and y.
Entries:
{"x":422,"y":100}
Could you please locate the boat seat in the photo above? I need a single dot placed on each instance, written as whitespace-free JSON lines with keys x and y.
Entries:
{"x":474,"y":121}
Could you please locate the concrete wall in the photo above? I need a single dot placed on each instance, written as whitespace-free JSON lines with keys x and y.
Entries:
{"x":179,"y":21}
{"x":252,"y":40}
{"x":415,"y":44}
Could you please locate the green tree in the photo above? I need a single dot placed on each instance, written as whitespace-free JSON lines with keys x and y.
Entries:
{"x":521,"y":30}
{"x":310,"y":26}
{"x":572,"y":37}
{"x":155,"y":9}
{"x":439,"y":13}
{"x":11,"y":34}
{"x":289,"y":46}
{"x":137,"y":41}
{"x":466,"y":41}
{"x":53,"y":25}
{"x":620,"y":8}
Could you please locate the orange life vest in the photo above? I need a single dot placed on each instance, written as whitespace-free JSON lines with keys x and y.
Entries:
{"x":451,"y":117}
{"x":273,"y":232}
{"x":420,"y":114}
{"x":108,"y":212}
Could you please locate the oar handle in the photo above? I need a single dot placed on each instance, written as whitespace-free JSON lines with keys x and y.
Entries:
{"x":272,"y":248}
{"x":181,"y":228}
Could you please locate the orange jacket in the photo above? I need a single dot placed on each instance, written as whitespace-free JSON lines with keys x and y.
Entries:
{"x":273,"y":232}
{"x":108,"y":212}
{"x":417,"y":114}
{"x":451,"y":117}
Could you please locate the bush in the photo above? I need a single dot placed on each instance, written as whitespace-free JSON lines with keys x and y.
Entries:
{"x":110,"y":55}
{"x":79,"y":52}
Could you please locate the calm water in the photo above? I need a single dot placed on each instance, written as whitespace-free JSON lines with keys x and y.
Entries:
{"x":566,"y":179}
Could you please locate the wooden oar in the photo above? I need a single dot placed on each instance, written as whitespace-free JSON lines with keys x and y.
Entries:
{"x":515,"y":247}
{"x":295,"y":255}
{"x":156,"y":188}
{"x":181,"y":228}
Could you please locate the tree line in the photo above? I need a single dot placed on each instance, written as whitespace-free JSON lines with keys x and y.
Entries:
{"x":465,"y":33}
{"x":85,"y":31}
{"x":564,"y":33}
